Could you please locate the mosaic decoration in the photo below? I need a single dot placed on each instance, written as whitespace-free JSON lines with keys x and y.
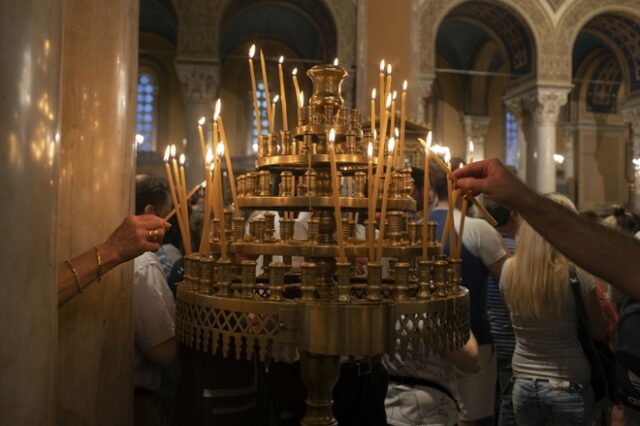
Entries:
{"x":602,"y":92}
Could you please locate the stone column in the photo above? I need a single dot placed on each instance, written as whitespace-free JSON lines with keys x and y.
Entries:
{"x":542,"y":107}
{"x":475,"y":127}
{"x":30,"y":40}
{"x":199,"y":87}
{"x":514,"y":106}
{"x":568,"y":134}
{"x":417,"y":97}
{"x":632,"y":116}
{"x":99,"y":76}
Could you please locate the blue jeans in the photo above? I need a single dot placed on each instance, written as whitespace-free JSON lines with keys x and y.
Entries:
{"x":505,"y":389}
{"x":541,"y":402}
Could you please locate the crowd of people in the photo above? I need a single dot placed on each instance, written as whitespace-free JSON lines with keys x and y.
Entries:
{"x":525,"y":363}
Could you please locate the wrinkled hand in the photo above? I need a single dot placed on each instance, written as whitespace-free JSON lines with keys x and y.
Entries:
{"x":135,"y":235}
{"x":492,"y":178}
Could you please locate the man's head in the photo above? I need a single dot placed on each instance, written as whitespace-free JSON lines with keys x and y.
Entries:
{"x":439,"y":178}
{"x":152,"y":195}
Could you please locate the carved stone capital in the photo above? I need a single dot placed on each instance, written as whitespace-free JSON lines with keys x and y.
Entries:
{"x":417,"y":94}
{"x":514,"y":107}
{"x":544,"y":104}
{"x":199,"y":81}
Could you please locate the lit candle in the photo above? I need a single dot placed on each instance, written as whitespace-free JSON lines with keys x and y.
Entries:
{"x":189,"y":195}
{"x":273,"y":112}
{"x":392,"y":126}
{"x":220,"y":201}
{"x":373,"y":111}
{"x":371,"y":210}
{"x":204,"y":246}
{"x":381,"y":91}
{"x":294,"y":76}
{"x":183,"y":197}
{"x":387,"y":88}
{"x":336,"y":197}
{"x":403,"y":122}
{"x":283,"y":96}
{"x":301,"y":99}
{"x":174,"y":197}
{"x":426,"y":197}
{"x":336,"y":62}
{"x":256,"y":107}
{"x":385,"y":196}
{"x":471,"y":158}
{"x":380,"y":164}
{"x":203,"y":143}
{"x":214,"y":125}
{"x":266,"y":88}
{"x":232,"y":180}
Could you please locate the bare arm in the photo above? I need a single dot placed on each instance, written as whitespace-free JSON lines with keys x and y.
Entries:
{"x":164,"y":353}
{"x":127,"y":241}
{"x":467,"y":358}
{"x":496,"y":268}
{"x":599,"y":250}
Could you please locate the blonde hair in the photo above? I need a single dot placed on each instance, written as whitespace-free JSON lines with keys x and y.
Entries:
{"x":539,"y":274}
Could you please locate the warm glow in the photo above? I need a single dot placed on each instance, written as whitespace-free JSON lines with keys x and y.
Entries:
{"x":216,"y":112}
{"x":173,"y":151}
{"x":295,"y":71}
{"x":252,"y":51}
{"x":301,"y":99}
{"x":220,"y":149}
{"x":204,"y":184}
{"x":139,"y":139}
{"x":388,"y":104}
{"x":396,"y":132}
{"x":404,"y":85}
{"x":167,"y":153}
{"x":373,"y":94}
{"x":276,"y":98}
{"x":336,"y":62}
{"x":382,"y":65}
{"x":429,"y":139}
{"x":370,"y":151}
{"x":202,"y":121}
{"x":332,"y":135}
{"x":391,"y":144}
{"x":394,"y":95}
{"x":470,"y":147}
{"x":183,"y":159}
{"x":447,"y":155}
{"x":375,"y":134}
{"x":389,"y":69}
{"x":281,"y":60}
{"x":558,"y":158}
{"x":209,"y":157}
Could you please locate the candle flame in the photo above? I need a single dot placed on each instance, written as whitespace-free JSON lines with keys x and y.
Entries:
{"x":204,"y":184}
{"x":332,"y":135}
{"x":220,"y":149}
{"x":382,"y":65}
{"x":447,"y":155}
{"x":471,"y":147}
{"x":375,"y":134}
{"x":397,"y":132}
{"x":388,"y":104}
{"x":281,"y":60}
{"x":276,"y":98}
{"x":173,"y":151}
{"x":429,"y":139}
{"x":294,"y":72}
{"x":202,"y":121}
{"x":183,"y":159}
{"x":167,"y":153}
{"x":388,"y":68}
{"x":373,"y":93}
{"x":209,"y":157}
{"x":405,"y":84}
{"x":216,"y":112}
{"x":370,"y":150}
{"x":139,"y":139}
{"x":391,"y":144}
{"x":394,"y":95}
{"x":252,"y":51}
{"x":301,"y":99}
{"x":336,"y":62}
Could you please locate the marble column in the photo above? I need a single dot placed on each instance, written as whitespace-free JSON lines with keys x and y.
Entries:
{"x":568,"y":135}
{"x":200,"y":82}
{"x":632,"y":116}
{"x":31,"y":36}
{"x":541,"y":106}
{"x":475,"y":127}
{"x":99,"y":75}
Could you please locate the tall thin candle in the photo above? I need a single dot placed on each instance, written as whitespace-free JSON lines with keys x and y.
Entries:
{"x":336,"y":197}
{"x":272,"y":123}
{"x":294,"y":76}
{"x":174,"y":197}
{"x":283,"y":95}
{"x":204,"y":237}
{"x":203,"y":143}
{"x":426,"y":202}
{"x":265,"y":81}
{"x":183,"y":196}
{"x":403,"y":123}
{"x":385,"y":196}
{"x":373,"y":110}
{"x":256,"y":107}
{"x":381,"y":91}
{"x":370,"y":209}
{"x":387,"y":88}
{"x":232,"y":180}
{"x":220,"y":202}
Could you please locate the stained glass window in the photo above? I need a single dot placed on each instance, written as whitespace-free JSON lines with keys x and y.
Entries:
{"x":146,"y":116}
{"x":511,"y":140}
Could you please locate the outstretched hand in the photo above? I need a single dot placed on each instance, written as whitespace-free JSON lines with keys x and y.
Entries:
{"x":135,"y":235}
{"x":493,"y":179}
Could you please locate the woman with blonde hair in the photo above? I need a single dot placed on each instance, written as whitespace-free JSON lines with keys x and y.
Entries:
{"x":550,"y":369}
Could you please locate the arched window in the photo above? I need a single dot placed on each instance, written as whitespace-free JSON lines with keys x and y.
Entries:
{"x":511,"y":139}
{"x":264,"y":121}
{"x":147,"y":115}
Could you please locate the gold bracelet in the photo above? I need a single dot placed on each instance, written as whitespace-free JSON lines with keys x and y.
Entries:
{"x":99,"y":261}
{"x":75,"y":274}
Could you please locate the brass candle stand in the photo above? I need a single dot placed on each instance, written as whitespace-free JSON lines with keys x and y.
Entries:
{"x":325,"y":310}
